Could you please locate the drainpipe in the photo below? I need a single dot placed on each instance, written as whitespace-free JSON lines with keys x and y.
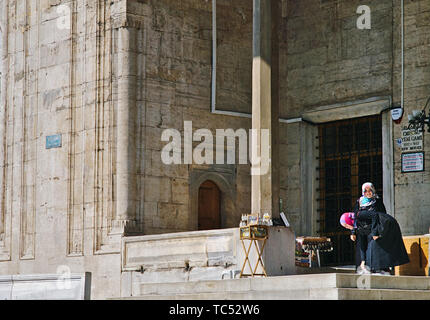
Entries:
{"x":403,"y":53}
{"x":213,"y":56}
{"x":402,"y":85}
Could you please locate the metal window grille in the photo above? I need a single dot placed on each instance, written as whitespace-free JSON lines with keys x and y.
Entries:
{"x":350,"y":153}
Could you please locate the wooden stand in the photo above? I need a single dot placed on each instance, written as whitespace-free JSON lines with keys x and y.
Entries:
{"x":254,"y":234}
{"x":315,"y":245}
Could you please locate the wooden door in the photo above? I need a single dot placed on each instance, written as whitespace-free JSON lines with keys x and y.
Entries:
{"x":209,"y":206}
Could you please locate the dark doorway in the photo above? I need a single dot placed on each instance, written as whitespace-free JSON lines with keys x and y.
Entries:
{"x":350,"y":154}
{"x":209,"y":206}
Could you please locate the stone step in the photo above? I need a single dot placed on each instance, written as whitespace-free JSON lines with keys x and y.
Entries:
{"x":382,"y":294}
{"x":383,"y":282}
{"x":243,"y":284}
{"x":298,"y":294}
{"x":288,"y":283}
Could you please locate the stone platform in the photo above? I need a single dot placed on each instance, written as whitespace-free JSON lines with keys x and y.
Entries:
{"x":327,"y":286}
{"x":205,"y":265}
{"x":200,"y":256}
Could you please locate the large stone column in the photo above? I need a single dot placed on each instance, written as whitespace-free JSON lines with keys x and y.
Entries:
{"x":126,"y":131}
{"x":265,"y":113}
{"x":3,"y":101}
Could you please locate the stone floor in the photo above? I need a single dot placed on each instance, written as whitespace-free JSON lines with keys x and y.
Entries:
{"x":317,"y":270}
{"x":322,"y":286}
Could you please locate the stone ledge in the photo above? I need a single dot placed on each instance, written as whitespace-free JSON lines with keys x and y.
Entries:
{"x":46,"y":286}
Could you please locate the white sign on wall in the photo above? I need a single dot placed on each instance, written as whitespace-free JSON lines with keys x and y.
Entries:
{"x":411,"y":140}
{"x":413,"y":162}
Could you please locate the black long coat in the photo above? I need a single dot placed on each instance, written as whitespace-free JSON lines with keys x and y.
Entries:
{"x":388,"y":250}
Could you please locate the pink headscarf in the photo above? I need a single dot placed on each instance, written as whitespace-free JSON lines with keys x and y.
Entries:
{"x":347,"y":219}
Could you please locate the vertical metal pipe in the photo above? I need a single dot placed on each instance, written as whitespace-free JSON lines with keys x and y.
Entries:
{"x":214,"y":44}
{"x":402,"y":28}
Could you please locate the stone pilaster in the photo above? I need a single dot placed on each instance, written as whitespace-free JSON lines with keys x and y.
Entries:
{"x":5,"y":229}
{"x":264,"y":184}
{"x":126,"y":131}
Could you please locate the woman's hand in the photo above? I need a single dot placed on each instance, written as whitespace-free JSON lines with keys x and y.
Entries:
{"x":353,"y":237}
{"x":375,"y":237}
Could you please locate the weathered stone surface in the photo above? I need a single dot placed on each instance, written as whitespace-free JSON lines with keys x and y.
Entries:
{"x":125,"y":71}
{"x":203,"y":255}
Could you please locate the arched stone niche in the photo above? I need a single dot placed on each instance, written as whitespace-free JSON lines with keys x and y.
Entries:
{"x":225,"y":178}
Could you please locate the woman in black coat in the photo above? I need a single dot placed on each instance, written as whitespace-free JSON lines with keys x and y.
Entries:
{"x":378,"y":236}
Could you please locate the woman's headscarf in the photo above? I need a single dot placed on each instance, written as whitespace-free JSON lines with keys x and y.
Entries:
{"x":347,"y":220}
{"x":364,"y":201}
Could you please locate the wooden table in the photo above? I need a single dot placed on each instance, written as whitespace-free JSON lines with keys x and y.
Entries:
{"x":253,"y":233}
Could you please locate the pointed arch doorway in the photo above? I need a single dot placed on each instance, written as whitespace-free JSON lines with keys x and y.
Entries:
{"x":209,"y":213}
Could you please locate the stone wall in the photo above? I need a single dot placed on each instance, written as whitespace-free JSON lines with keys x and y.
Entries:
{"x":177,"y":88}
{"x":110,"y":77}
{"x":325,"y":59}
{"x":107,"y":78}
{"x":412,"y":189}
{"x":61,"y":70}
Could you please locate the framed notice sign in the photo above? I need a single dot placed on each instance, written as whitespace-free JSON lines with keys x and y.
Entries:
{"x":413,"y":162}
{"x":412,"y":140}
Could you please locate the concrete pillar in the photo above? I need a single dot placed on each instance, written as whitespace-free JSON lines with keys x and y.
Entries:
{"x":265,"y":110}
{"x":4,"y":10}
{"x":126,"y":131}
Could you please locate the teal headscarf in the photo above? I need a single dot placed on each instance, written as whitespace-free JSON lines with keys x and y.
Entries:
{"x":365,"y":201}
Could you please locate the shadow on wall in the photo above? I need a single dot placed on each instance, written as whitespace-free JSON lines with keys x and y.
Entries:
{"x":417,"y":248}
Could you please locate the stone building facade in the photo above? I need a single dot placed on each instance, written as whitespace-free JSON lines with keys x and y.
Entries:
{"x":108,"y":77}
